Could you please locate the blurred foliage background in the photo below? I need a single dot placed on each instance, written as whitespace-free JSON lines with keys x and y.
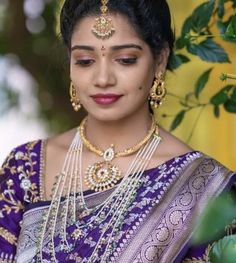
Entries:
{"x":34,"y":81}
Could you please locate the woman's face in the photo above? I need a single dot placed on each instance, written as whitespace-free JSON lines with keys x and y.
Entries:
{"x":112,"y":76}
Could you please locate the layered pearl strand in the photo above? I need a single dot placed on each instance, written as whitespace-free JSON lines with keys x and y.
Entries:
{"x":68,"y":199}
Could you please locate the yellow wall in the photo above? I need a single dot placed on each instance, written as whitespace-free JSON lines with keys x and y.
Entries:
{"x":215,"y":137}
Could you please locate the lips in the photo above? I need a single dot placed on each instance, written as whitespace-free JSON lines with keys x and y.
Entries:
{"x":105,"y":99}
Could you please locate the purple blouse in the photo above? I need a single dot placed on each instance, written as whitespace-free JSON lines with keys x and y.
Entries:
{"x":157,"y":227}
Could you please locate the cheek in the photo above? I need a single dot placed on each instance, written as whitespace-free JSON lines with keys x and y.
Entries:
{"x":144,"y":84}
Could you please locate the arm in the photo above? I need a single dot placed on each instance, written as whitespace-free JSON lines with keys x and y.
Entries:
{"x":11,"y":208}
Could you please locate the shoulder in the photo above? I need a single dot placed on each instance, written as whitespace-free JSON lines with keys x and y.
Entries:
{"x":212,"y":166}
{"x":61,"y":141}
{"x":171,"y":146}
{"x":21,"y":170}
{"x":57,"y":146}
{"x":22,"y":153}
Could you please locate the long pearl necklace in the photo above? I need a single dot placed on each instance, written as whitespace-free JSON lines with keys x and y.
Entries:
{"x":104,"y":175}
{"x":68,"y":199}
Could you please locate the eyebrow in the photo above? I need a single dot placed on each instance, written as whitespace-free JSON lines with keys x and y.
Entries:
{"x":119,"y":47}
{"x":114,"y":48}
{"x":82,"y":47}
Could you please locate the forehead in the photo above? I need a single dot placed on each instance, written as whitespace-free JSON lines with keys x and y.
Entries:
{"x":124,"y":32}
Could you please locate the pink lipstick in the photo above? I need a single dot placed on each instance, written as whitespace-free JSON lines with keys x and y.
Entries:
{"x":106,"y":99}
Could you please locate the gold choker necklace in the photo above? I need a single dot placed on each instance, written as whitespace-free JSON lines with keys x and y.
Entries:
{"x":104,"y":175}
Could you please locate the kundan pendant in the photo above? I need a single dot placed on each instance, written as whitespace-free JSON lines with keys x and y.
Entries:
{"x":102,"y":176}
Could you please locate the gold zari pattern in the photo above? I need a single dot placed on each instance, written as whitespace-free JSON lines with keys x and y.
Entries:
{"x":8,"y":236}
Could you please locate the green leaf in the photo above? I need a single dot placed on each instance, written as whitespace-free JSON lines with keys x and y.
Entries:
{"x":217,"y":111}
{"x":225,"y":26}
{"x":201,"y":82}
{"x":219,"y":213}
{"x":186,"y":27}
{"x":224,"y":251}
{"x":230,"y":106}
{"x":177,"y":60}
{"x":233,"y":96}
{"x":202,"y":15}
{"x":224,"y":95}
{"x":231,"y":29}
{"x":183,"y":40}
{"x":178,"y":119}
{"x":192,"y":48}
{"x":221,"y":8}
{"x":209,"y":51}
{"x":222,"y":26}
{"x":219,"y":98}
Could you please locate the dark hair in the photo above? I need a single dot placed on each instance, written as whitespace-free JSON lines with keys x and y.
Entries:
{"x":150,"y":18}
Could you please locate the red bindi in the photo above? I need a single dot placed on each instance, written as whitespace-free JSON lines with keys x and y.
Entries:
{"x":103,"y":49}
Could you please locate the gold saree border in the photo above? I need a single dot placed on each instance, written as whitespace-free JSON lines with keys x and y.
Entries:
{"x":8,"y":236}
{"x":137,"y":249}
{"x":198,"y":180}
{"x":42,"y":169}
{"x":7,"y":258}
{"x":220,"y":177}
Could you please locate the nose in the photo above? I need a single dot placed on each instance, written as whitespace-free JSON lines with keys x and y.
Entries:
{"x":104,"y":76}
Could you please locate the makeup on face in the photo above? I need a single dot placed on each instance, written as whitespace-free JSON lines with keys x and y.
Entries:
{"x":106,"y":99}
{"x":103,"y":49}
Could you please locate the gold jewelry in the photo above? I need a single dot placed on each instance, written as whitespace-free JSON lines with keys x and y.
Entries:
{"x":123,"y":153}
{"x":103,"y":27}
{"x":158,"y":91}
{"x":68,"y":205}
{"x":73,"y":98}
{"x":104,"y":175}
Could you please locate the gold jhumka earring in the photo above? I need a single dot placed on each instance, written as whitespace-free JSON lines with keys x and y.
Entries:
{"x":73,"y":98}
{"x":103,"y":27}
{"x":158,"y":91}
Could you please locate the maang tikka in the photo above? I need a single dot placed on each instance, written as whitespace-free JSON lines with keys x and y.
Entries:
{"x":73,"y":98}
{"x":158,"y":91}
{"x":103,"y":27}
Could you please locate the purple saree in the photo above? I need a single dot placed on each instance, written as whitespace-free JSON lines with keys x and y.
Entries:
{"x":157,"y":226}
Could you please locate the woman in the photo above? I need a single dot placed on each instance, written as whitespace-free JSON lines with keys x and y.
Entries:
{"x":119,"y":188}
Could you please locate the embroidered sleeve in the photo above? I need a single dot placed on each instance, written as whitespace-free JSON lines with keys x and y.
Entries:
{"x":18,"y":187}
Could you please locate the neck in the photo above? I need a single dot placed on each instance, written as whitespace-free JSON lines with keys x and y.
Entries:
{"x":122,"y":133}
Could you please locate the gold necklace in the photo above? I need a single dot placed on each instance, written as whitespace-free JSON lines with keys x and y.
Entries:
{"x":104,"y":175}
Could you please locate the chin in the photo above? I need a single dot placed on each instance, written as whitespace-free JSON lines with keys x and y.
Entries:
{"x":106,"y":116}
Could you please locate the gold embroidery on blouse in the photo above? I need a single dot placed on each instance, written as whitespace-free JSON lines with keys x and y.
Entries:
{"x":9,"y":237}
{"x":7,"y":165}
{"x":26,"y":172}
{"x":204,"y":259}
{"x":7,"y":258}
{"x":42,"y":171}
{"x":8,"y":197}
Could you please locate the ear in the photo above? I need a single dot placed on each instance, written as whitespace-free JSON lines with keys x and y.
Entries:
{"x":162,"y":60}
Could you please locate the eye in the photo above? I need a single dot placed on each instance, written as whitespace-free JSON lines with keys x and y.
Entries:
{"x":127,"y":61}
{"x":84,"y":62}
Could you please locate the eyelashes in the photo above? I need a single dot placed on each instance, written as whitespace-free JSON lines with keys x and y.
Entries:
{"x":84,"y":62}
{"x":121,"y":61}
{"x":127,"y":61}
